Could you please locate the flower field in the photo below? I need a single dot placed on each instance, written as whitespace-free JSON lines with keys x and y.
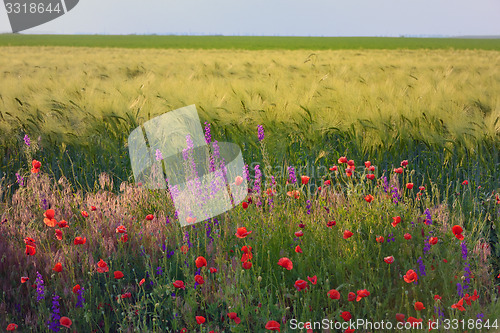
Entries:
{"x":361,"y":246}
{"x":373,"y":192}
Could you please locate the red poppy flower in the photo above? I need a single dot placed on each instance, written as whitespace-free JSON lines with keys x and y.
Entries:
{"x":300,"y":285}
{"x":76,"y":289}
{"x":179,"y":284}
{"x":313,"y":279}
{"x":347,"y":234}
{"x":85,"y":214}
{"x":184,"y":249}
{"x":395,"y":221}
{"x":242,"y":232}
{"x":371,"y":168}
{"x":328,"y":182}
{"x":49,"y":218}
{"x":369,"y":198}
{"x":404,"y":163}
{"x":121,"y":229}
{"x":11,"y":327}
{"x":475,"y":296}
{"x":102,"y":267}
{"x":65,"y":321}
{"x":437,"y":297}
{"x":142,"y":282}
{"x":30,"y":250}
{"x":370,"y":176}
{"x":457,"y":231}
{"x":247,"y":265}
{"x":465,"y":182}
{"x":414,"y":321}
{"x":333,"y":168}
{"x":348,"y":172}
{"x":304,"y":180}
{"x":299,"y":233}
{"x":63,"y":224}
{"x":80,"y":240}
{"x":238,"y":180}
{"x":93,"y":208}
{"x":246,"y":249}
{"x":346,"y":315}
{"x":273,"y":325}
{"x":244,"y":204}
{"x":126,"y":295}
{"x":149,"y":217}
{"x":389,"y":259}
{"x":200,"y":262}
{"x":410,"y":276}
{"x":36,"y":164}
{"x":433,"y":240}
{"x":407,"y":236}
{"x":362,"y":293}
{"x":342,"y":160}
{"x":380,"y":239}
{"x":234,"y":316}
{"x":459,"y":305}
{"x":331,"y":223}
{"x":124,"y":238}
{"x":29,"y":241}
{"x":59,"y":234}
{"x":199,"y":279}
{"x":400,"y":317}
{"x":57,"y":267}
{"x":293,"y":194}
{"x":351,"y":297}
{"x":118,"y":275}
{"x":213,"y":270}
{"x":298,"y":249}
{"x":409,"y":186}
{"x":419,"y":306}
{"x":200,"y":320}
{"x":398,"y":170}
{"x":24,"y":279}
{"x":285,"y":263}
{"x":334,"y":294}
{"x":421,"y":188}
{"x":367,"y":164}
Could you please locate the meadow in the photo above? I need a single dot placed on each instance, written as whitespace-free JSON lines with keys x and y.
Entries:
{"x":331,"y":238}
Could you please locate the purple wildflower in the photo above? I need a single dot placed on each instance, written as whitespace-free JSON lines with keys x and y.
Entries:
{"x":260,"y":130}
{"x":386,"y":184}
{"x":159,"y":155}
{"x":292,"y":179}
{"x":421,"y":266}
{"x":80,"y":299}
{"x":308,"y":207}
{"x":258,"y":179}
{"x":208,"y":135}
{"x":246,"y":173}
{"x":54,"y":324}
{"x":20,"y":179}
{"x":427,"y":246}
{"x":428,"y":217}
{"x":40,"y":289}
{"x":395,"y":195}
{"x":27,"y":140}
{"x":390,"y":238}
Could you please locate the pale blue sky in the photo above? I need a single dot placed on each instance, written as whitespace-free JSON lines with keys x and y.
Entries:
{"x":277,"y":17}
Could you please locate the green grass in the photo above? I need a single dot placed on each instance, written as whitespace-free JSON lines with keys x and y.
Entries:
{"x":249,"y":43}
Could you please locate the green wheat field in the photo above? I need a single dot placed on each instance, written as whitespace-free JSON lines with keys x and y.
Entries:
{"x":420,"y":115}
